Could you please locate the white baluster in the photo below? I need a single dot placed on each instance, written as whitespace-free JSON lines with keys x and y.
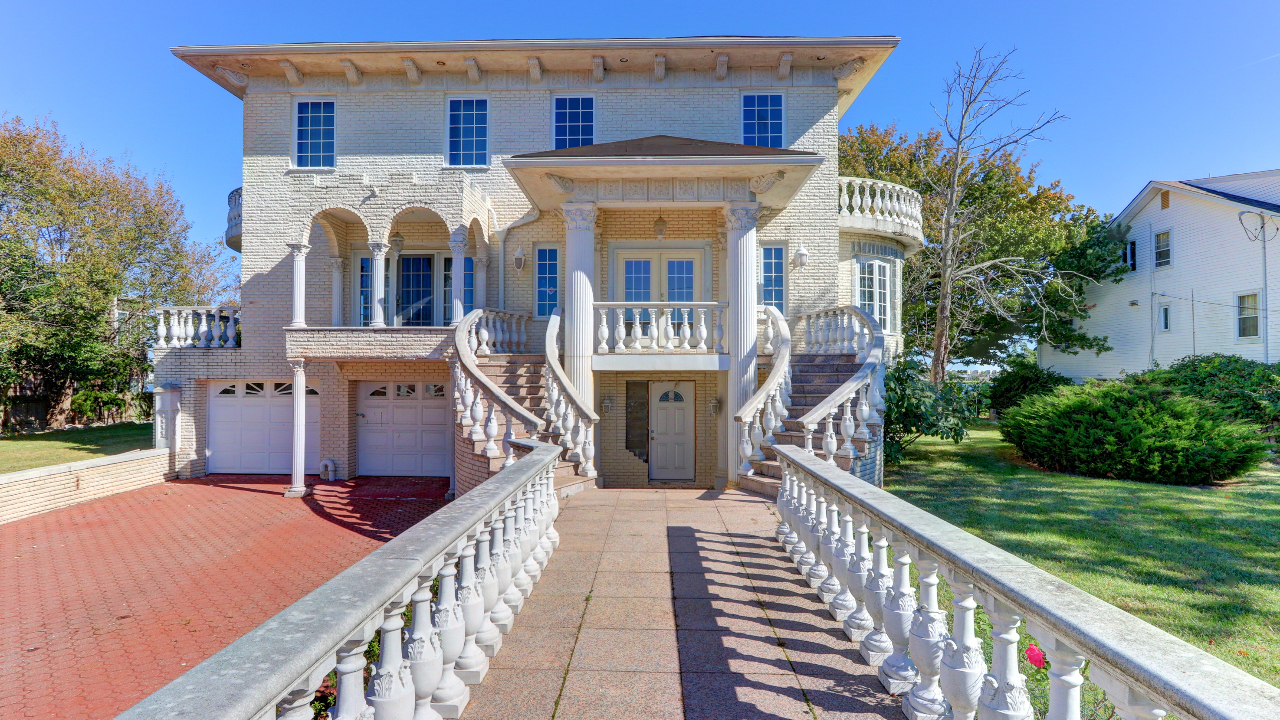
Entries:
{"x":472,"y":664}
{"x":831,"y":543}
{"x":350,"y":704}
{"x":847,"y":427}
{"x":844,"y":199}
{"x":451,"y":695}
{"x":877,"y":646}
{"x":898,"y":674}
{"x":963,"y":666}
{"x":233,"y":324}
{"x":864,"y":414}
{"x":634,"y":338}
{"x":686,"y":328}
{"x":513,"y":533}
{"x":579,"y":437}
{"x":534,"y":559}
{"x":744,"y":449}
{"x":800,"y":524}
{"x":489,"y":637}
{"x":500,"y":560}
{"x":620,"y":331}
{"x":668,"y":330}
{"x":782,"y":503}
{"x":482,"y":336}
{"x":1004,"y":690}
{"x":188,"y":330}
{"x":770,"y":419}
{"x":757,"y":438}
{"x":490,"y":449}
{"x":858,"y":624}
{"x":701,"y":333}
{"x":390,"y":690}
{"x":477,"y":418}
{"x":588,"y":468}
{"x":655,"y":330}
{"x":817,"y":572}
{"x":1065,"y":663}
{"x":508,"y":448}
{"x":768,"y":335}
{"x":422,"y":651}
{"x":829,"y":438}
{"x":843,"y":553}
{"x":719,"y":330}
{"x":202,"y":330}
{"x":161,"y":329}
{"x":602,"y":331}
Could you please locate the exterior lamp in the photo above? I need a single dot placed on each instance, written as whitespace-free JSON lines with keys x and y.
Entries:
{"x":659,"y":226}
{"x":714,"y":407}
{"x":802,"y":257}
{"x":519,"y":258}
{"x":606,"y":404}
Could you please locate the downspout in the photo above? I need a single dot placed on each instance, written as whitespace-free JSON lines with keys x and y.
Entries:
{"x":502,"y":248}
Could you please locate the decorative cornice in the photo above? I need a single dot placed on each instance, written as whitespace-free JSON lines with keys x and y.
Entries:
{"x":844,"y":70}
{"x":597,"y":69}
{"x":412,"y":71}
{"x":760,"y":184}
{"x":354,"y":76}
{"x":784,"y":66}
{"x":579,"y":216}
{"x":238,"y":79}
{"x":722,"y":66}
{"x":535,"y":69}
{"x":741,"y":216}
{"x":659,"y":67}
{"x":291,"y":72}
{"x":562,"y":183}
{"x":473,"y":70}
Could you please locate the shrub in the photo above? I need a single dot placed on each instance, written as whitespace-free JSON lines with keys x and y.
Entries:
{"x":1141,"y":432}
{"x":915,"y":407}
{"x":94,"y":405}
{"x":1242,"y":389}
{"x":1022,"y":377}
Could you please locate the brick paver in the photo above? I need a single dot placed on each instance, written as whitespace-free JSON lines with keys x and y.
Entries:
{"x":104,"y":602}
{"x":675,"y":604}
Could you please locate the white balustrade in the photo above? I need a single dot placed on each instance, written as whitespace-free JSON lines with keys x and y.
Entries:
{"x":762,"y":414}
{"x":939,"y":671}
{"x":198,"y":326}
{"x":660,"y":327}
{"x":864,"y":198}
{"x":498,"y":331}
{"x":566,"y":413}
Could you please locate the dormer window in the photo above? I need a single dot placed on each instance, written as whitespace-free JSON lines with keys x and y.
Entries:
{"x":314,"y":137}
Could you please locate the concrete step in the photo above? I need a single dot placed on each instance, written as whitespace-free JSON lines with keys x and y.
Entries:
{"x":766,"y":486}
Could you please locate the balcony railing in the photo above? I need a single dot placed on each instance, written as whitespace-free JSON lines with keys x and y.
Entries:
{"x":199,"y":326}
{"x":233,"y":219}
{"x":879,"y":207}
{"x":657,"y":328}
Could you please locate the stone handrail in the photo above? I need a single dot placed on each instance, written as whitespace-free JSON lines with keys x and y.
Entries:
{"x":880,"y":200}
{"x":841,"y":533}
{"x":682,"y":327}
{"x":486,"y":550}
{"x":499,"y":331}
{"x":472,"y":390}
{"x":202,"y":326}
{"x":567,"y":413}
{"x":763,"y":412}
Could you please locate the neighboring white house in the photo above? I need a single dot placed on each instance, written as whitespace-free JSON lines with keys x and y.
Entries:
{"x":1197,"y":282}
{"x":400,"y":196}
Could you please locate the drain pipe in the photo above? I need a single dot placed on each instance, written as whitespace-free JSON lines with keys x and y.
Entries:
{"x":502,"y":248}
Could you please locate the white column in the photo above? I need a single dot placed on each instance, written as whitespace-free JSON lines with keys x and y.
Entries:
{"x":377,"y":293}
{"x":393,"y":293}
{"x":740,"y":325}
{"x":335,"y":267}
{"x":297,"y":486}
{"x":299,"y":250}
{"x":579,"y":252}
{"x":482,"y":280}
{"x":457,"y":246}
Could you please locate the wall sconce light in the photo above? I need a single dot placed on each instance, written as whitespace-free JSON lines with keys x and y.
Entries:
{"x":606,"y":404}
{"x":1133,"y":303}
{"x":659,"y":226}
{"x":714,"y":407}
{"x":519,"y":258}
{"x":802,"y":257}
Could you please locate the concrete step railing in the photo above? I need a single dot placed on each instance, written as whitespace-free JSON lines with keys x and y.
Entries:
{"x":855,"y":545}
{"x":201,"y":326}
{"x":762,"y":414}
{"x":498,"y":331}
{"x":465,"y":571}
{"x":485,"y":411}
{"x":660,"y":327}
{"x":567,"y":413}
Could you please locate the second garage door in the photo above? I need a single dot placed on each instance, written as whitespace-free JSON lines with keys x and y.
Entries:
{"x":403,"y":428}
{"x":251,"y":428}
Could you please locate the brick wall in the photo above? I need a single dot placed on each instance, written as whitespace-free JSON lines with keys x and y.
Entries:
{"x":30,"y":492}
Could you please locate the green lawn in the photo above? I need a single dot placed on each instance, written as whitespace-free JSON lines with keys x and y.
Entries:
{"x":64,"y":446}
{"x":1201,"y":563}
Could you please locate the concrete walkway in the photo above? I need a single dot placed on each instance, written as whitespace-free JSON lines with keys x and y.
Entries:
{"x":105,"y":602}
{"x":674,"y":604}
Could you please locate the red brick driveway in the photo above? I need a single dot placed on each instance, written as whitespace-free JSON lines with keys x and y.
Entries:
{"x":104,"y":602}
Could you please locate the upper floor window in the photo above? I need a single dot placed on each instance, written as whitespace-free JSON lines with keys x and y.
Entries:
{"x":873,"y":290}
{"x":469,"y":131}
{"x":772,"y":276}
{"x":575,"y":121}
{"x":1129,"y":255}
{"x":762,"y":120}
{"x":1163,"y":253}
{"x":315,"y":133}
{"x":548,"y":279}
{"x":1247,"y":315}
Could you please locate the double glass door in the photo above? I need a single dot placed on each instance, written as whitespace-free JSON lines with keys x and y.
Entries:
{"x":668,"y":277}
{"x":417,"y":290}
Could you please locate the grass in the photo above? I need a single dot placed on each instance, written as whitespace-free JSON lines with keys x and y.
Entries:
{"x":63,"y":446}
{"x":1202,"y":563}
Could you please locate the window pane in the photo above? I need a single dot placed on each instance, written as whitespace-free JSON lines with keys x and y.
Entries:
{"x":548,"y":280}
{"x":468,"y":120}
{"x":573,"y":121}
{"x":315,"y":126}
{"x":762,"y":120}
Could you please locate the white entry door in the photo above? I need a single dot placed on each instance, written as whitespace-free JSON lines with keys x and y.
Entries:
{"x":403,"y":428}
{"x":251,"y":428}
{"x":671,"y":443}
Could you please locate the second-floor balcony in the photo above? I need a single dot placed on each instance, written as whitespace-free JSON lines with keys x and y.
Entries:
{"x":885,"y":209}
{"x":233,"y":233}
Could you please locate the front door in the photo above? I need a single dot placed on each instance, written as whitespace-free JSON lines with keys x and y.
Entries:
{"x":671,"y":430}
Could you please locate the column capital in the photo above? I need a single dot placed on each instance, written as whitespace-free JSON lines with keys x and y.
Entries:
{"x":299,"y":365}
{"x":741,"y":215}
{"x":458,"y":238}
{"x":579,"y":216}
{"x":299,"y":247}
{"x":337,"y":264}
{"x":481,"y":261}
{"x":379,"y":247}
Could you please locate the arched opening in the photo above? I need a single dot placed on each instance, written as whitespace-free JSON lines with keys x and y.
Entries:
{"x":337,"y":237}
{"x":420,"y":272}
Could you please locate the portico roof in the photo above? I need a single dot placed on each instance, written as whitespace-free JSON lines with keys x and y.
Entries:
{"x":663,"y":170}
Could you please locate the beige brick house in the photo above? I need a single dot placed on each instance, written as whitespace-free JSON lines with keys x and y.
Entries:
{"x":414,"y":217}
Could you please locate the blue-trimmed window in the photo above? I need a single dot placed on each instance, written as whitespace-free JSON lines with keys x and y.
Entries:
{"x":762,"y":120}
{"x":315,"y":133}
{"x":469,"y":131}
{"x":772,"y":275}
{"x":575,"y":121}
{"x":548,"y":278}
{"x":468,"y":287}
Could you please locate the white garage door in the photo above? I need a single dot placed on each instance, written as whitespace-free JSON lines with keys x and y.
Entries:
{"x":251,"y":428}
{"x":403,"y":428}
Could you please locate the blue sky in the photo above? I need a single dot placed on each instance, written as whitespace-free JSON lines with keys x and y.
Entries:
{"x":1168,"y":90}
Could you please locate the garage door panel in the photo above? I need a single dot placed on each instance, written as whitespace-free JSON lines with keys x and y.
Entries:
{"x":404,"y":464}
{"x":404,"y":415}
{"x":254,"y":434}
{"x":435,"y":416}
{"x":416,"y":431}
{"x":434,"y":440}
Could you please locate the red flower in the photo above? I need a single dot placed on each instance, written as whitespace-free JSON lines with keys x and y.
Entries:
{"x":1035,"y":656}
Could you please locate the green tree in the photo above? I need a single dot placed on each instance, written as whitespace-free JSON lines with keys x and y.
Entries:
{"x":88,"y":248}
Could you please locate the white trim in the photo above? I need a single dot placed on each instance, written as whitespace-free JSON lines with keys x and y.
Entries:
{"x":1235,"y":316}
{"x":764,"y":91}
{"x":1155,"y":266}
{"x":293,"y":133}
{"x":488,"y":153}
{"x":1164,"y":318}
{"x":707,"y":160}
{"x":654,"y":247}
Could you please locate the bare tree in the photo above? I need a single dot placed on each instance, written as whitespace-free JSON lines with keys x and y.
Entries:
{"x":975,"y":96}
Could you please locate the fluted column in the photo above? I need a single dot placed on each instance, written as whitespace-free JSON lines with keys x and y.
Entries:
{"x":377,"y":293}
{"x":393,"y":293}
{"x":457,"y":247}
{"x":336,"y":265}
{"x":482,"y":281}
{"x":579,"y":250}
{"x":299,"y":250}
{"x":741,"y":219}
{"x":297,"y":484}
